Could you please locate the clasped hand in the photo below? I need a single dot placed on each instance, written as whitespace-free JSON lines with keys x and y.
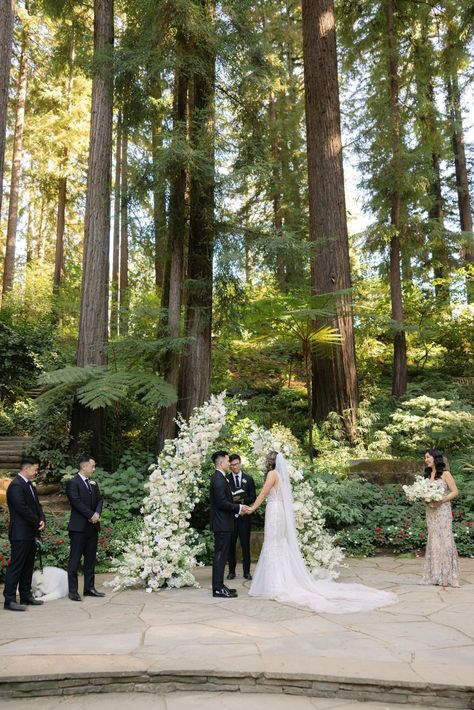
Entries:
{"x":95,"y":518}
{"x":246,"y":510}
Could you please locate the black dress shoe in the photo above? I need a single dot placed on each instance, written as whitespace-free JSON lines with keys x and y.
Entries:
{"x":231,"y":575}
{"x":224,"y":593}
{"x":93,"y":593}
{"x":13,"y":606}
{"x":31,"y":601}
{"x":74,"y":597}
{"x":232,"y":592}
{"x":248,"y":576}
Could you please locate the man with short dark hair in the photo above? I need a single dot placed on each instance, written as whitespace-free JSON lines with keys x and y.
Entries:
{"x":86,"y":507}
{"x":26,"y":523}
{"x":223,"y":510}
{"x":240,"y":481}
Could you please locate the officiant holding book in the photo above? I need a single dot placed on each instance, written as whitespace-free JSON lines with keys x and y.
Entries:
{"x":243,"y":491}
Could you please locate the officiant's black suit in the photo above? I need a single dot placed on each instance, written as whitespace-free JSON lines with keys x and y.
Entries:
{"x":83,"y":535}
{"x":242,"y":524}
{"x":26,"y":514}
{"x":223,"y":511}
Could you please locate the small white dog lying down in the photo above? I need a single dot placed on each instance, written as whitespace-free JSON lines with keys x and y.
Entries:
{"x":49,"y":584}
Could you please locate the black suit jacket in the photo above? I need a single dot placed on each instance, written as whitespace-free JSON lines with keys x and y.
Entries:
{"x":223,"y":509}
{"x":25,"y":509}
{"x":247,"y":485}
{"x":83,"y":504}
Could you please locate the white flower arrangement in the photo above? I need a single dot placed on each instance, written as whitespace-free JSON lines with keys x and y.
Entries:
{"x":166,"y":549}
{"x":423,"y":489}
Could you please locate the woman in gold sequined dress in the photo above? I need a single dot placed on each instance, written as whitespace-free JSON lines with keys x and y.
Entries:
{"x":441,"y":566}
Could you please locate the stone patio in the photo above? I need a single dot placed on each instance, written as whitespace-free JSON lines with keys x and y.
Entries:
{"x":419,"y":651}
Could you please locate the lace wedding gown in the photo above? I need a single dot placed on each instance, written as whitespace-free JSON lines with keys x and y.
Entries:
{"x":441,"y":565}
{"x":281,"y":573}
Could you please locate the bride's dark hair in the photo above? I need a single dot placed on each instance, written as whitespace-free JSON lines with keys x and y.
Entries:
{"x":270,"y":461}
{"x":440,"y":466}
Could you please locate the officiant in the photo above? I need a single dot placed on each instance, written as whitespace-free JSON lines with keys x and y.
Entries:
{"x":243,"y":491}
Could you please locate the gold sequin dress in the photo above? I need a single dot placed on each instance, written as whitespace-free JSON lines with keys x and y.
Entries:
{"x":441,"y":565}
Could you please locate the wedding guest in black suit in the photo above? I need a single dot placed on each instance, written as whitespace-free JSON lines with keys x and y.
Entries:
{"x":26,"y":523}
{"x":86,"y":508}
{"x":223,"y":511}
{"x":243,"y":523}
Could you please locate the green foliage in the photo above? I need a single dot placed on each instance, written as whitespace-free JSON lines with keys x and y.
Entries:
{"x":98,"y":386}
{"x":424,"y":422}
{"x":123,"y":490}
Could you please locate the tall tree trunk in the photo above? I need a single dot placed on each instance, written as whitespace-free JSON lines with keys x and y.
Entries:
{"x":462,"y":181}
{"x":13,"y":206}
{"x":334,"y":380}
{"x":116,"y":234}
{"x":123,"y":280}
{"x":195,"y":382}
{"x":62,"y":182}
{"x":159,"y":191}
{"x":7,"y":13}
{"x":94,"y":298}
{"x":276,"y":190}
{"x":399,"y":375}
{"x":173,"y":281}
{"x":439,"y":251}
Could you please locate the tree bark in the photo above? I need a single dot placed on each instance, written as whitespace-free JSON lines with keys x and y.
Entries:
{"x":123,"y":279}
{"x":173,"y":282}
{"x":62,"y":182}
{"x":7,"y":14}
{"x":94,"y":298}
{"x":116,"y":234}
{"x":334,"y":380}
{"x":462,"y":180}
{"x":13,"y":206}
{"x":399,"y":375}
{"x":159,"y":191}
{"x":195,"y":381}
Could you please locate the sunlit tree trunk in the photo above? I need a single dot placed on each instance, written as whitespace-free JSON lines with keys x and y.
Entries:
{"x":14,"y":202}
{"x":462,"y":180}
{"x":116,"y":233}
{"x":62,"y":183}
{"x":7,"y":13}
{"x":124,"y":197}
{"x":334,"y":379}
{"x":159,"y":192}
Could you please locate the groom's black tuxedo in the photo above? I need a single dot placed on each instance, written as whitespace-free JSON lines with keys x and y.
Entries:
{"x":83,"y":535}
{"x":243,"y":523}
{"x":26,"y":514}
{"x":223,"y":511}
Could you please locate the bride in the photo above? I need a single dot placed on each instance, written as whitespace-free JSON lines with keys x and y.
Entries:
{"x":281,"y":573}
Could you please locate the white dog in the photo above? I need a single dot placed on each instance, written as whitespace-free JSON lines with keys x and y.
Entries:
{"x":49,"y":584}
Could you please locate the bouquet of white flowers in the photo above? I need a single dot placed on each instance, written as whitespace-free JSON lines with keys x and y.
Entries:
{"x":423,"y":489}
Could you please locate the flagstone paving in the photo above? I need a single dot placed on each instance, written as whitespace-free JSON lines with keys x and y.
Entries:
{"x":427,"y":637}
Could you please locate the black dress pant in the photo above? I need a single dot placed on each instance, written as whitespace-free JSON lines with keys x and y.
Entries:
{"x":221,"y":553}
{"x":82,"y":543}
{"x":241,"y":532}
{"x":20,"y":570}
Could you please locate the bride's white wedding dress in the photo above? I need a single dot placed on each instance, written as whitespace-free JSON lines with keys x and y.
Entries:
{"x":281,"y":573}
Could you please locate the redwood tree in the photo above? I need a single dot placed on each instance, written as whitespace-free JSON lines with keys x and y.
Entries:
{"x":7,"y":12}
{"x":334,"y":379}
{"x":94,"y":297}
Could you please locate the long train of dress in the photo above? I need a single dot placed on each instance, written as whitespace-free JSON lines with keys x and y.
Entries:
{"x":281,"y":574}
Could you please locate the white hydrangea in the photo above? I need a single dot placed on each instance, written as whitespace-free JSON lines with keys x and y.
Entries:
{"x":423,"y":489}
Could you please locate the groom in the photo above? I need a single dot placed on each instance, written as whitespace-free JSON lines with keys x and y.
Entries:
{"x":223,"y":512}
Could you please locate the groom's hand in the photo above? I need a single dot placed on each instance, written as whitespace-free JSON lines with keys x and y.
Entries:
{"x":245,"y":510}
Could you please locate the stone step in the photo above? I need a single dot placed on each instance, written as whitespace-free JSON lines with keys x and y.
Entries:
{"x":165,"y":682}
{"x":10,"y":456}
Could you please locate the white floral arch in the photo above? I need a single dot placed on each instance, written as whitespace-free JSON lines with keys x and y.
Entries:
{"x":166,"y":549}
